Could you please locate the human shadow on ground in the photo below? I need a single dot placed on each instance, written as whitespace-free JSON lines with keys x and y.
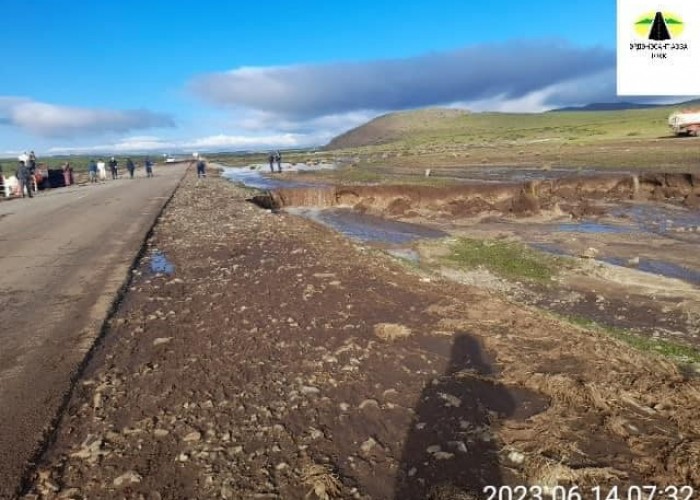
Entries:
{"x":450,"y":450}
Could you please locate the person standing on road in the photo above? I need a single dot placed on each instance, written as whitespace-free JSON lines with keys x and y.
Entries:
{"x":149,"y":167}
{"x":67,"y":174}
{"x":130,"y":167}
{"x":24,"y":178}
{"x":278,"y":159}
{"x":92,"y":171}
{"x":201,"y":168}
{"x":113,"y":168}
{"x":102,"y":169}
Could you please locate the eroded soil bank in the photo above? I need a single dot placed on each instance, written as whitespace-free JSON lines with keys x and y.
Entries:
{"x":276,"y":359}
{"x":569,"y":193}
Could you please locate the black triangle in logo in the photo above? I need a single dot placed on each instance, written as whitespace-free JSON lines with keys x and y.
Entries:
{"x":659,"y":30}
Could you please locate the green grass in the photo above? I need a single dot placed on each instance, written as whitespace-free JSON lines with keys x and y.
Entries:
{"x":509,"y":260}
{"x":672,"y":350}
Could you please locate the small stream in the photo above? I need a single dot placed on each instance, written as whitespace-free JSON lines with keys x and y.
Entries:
{"x":368,"y":228}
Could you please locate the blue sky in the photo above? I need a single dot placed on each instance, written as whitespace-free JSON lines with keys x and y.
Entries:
{"x":83,"y":76}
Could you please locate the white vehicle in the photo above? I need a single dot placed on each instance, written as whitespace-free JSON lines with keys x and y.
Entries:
{"x":685,"y":122}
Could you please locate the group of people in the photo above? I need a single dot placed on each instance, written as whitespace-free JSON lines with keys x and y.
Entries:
{"x":275,"y":157}
{"x":98,"y":170}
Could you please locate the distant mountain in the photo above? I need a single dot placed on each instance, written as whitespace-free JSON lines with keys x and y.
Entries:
{"x":621,"y":106}
{"x":607,"y":106}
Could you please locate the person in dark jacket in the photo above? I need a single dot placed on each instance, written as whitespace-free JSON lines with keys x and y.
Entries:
{"x":24,"y":178}
{"x":278,"y":159}
{"x":130,"y":167}
{"x":271,"y":159}
{"x":113,"y":168}
{"x":201,"y":168}
{"x":32,"y":162}
{"x":92,"y":171}
{"x":149,"y":167}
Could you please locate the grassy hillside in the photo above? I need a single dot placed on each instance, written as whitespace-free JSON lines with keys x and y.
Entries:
{"x":444,"y":138}
{"x":428,"y":127}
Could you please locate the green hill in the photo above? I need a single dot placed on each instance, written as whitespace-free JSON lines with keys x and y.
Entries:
{"x":447,"y":127}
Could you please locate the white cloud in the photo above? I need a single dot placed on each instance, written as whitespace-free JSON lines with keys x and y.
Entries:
{"x":218,"y":142}
{"x":51,"y":120}
{"x":481,"y":73}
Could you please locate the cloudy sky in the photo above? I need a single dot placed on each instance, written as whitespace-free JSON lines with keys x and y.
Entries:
{"x":210,"y":75}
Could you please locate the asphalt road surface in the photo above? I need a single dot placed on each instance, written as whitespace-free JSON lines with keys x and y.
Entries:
{"x":64,"y":255}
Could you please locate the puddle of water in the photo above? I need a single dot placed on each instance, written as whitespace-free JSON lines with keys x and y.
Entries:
{"x":659,"y":219}
{"x":160,"y":264}
{"x":408,"y":254}
{"x":593,"y":228}
{"x":259,"y":176}
{"x":368,"y":228}
{"x":549,"y":248}
{"x":659,"y":267}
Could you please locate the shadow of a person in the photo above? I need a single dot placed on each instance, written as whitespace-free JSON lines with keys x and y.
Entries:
{"x":450,"y":451}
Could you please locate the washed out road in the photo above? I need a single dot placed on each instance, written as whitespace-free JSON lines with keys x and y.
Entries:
{"x":63,"y":257}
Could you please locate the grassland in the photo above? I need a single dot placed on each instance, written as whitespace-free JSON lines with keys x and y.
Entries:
{"x":666,"y":348}
{"x":510,"y":260}
{"x":633,"y":139}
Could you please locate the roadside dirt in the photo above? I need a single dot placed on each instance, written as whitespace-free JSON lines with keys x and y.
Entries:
{"x":279,"y":360}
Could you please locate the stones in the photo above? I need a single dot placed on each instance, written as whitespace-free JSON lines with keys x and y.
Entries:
{"x":589,"y":253}
{"x":128,"y":478}
{"x":368,"y":445}
{"x":162,"y":340}
{"x":391,"y":331}
{"x":369,"y":403}
{"x":516,"y":457}
{"x":309,"y":390}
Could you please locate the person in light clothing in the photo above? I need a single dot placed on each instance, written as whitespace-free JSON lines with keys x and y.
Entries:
{"x":102,"y":169}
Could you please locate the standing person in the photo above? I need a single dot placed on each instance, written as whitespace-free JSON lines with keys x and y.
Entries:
{"x":102,"y":169}
{"x":67,"y":174}
{"x":32,"y":162}
{"x":149,"y":167}
{"x":113,"y":168}
{"x":278,"y":159}
{"x":24,"y":178}
{"x":92,"y":171}
{"x":130,"y":167}
{"x":201,"y":168}
{"x":271,"y":159}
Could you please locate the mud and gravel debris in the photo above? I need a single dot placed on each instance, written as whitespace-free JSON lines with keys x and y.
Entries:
{"x":273,"y":383}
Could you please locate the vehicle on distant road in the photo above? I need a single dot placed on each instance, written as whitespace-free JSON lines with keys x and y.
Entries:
{"x":686,"y":122}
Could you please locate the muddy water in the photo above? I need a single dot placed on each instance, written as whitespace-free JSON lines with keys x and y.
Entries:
{"x":396,"y":237}
{"x":368,"y":228}
{"x":659,"y":267}
{"x":392,"y":235}
{"x":259,"y":176}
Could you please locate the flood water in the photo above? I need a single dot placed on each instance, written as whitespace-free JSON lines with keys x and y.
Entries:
{"x":258,"y":176}
{"x":396,"y":237}
{"x":368,"y":228}
{"x":159,"y":264}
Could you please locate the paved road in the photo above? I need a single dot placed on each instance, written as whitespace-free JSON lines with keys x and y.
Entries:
{"x":63,"y":257}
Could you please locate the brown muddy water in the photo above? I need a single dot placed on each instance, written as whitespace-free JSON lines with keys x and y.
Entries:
{"x":368,"y":213}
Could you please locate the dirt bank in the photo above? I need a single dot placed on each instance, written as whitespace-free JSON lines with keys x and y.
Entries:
{"x":571,"y":194}
{"x":279,"y":359}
